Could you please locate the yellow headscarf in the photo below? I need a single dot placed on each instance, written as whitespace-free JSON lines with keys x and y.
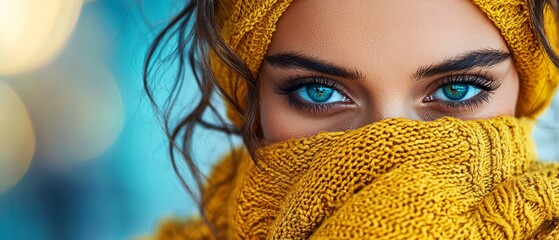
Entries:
{"x":248,"y":26}
{"x":393,"y":179}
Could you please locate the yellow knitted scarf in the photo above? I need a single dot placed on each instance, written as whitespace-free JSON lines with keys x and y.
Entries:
{"x":394,"y":179}
{"x":247,"y":26}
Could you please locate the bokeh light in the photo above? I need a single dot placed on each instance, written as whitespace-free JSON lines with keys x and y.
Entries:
{"x":76,"y":108}
{"x":33,"y":32}
{"x":101,"y":167}
{"x":17,"y":140}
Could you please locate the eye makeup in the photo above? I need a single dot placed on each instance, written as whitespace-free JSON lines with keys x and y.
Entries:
{"x":482,"y":83}
{"x":294,"y":91}
{"x":449,"y":94}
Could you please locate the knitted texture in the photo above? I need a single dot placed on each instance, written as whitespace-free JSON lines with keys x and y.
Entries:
{"x":247,"y":27}
{"x":539,"y":77}
{"x":220,"y":194}
{"x":394,"y":179}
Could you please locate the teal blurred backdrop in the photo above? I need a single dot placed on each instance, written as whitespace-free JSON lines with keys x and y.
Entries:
{"x":82,"y":155}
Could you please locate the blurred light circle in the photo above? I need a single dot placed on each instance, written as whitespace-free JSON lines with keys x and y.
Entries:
{"x":33,"y":32}
{"x":76,"y":108}
{"x":17,"y":139}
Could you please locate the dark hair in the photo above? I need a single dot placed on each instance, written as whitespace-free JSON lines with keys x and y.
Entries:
{"x":187,"y":42}
{"x":537,"y":14}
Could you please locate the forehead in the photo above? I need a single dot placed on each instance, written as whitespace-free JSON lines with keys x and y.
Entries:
{"x":388,"y":34}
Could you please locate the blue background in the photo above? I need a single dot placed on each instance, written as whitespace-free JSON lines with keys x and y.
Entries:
{"x":127,"y":189}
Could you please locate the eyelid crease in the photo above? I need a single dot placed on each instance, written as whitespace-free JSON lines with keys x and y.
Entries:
{"x":295,"y":83}
{"x":482,"y":80}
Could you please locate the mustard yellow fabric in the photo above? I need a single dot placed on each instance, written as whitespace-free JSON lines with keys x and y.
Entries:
{"x":394,"y":179}
{"x":248,"y":26}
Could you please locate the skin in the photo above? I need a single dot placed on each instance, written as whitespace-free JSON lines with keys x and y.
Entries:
{"x":383,"y":45}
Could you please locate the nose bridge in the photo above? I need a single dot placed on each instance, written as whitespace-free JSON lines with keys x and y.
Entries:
{"x":391,"y":93}
{"x":393,"y":110}
{"x":393,"y":105}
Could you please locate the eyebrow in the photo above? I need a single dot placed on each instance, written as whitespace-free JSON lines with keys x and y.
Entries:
{"x":299,"y":61}
{"x":464,"y":62}
{"x":467,"y":61}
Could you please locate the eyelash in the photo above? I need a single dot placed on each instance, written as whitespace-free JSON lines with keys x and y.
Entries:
{"x":481,"y":81}
{"x":290,"y":86}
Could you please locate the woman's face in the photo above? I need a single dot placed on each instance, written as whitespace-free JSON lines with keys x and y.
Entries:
{"x":338,"y":65}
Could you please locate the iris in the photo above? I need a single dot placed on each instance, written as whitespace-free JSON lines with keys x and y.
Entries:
{"x":319,"y":93}
{"x":455,"y":91}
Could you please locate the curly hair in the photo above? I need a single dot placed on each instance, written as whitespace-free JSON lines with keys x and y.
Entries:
{"x":187,"y":42}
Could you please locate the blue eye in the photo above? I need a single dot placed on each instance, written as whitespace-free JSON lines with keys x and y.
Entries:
{"x":319,"y":93}
{"x":456,"y":92}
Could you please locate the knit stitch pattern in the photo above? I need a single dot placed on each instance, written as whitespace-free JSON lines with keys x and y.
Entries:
{"x":247,"y":26}
{"x":539,"y":77}
{"x":394,"y":179}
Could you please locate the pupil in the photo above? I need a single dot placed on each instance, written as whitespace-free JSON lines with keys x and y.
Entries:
{"x":455,"y":91}
{"x":319,"y":93}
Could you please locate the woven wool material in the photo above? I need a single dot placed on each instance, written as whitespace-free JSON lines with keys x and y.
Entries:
{"x":394,"y":179}
{"x":248,"y":26}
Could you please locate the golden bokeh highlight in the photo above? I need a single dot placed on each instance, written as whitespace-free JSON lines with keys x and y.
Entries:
{"x":77,"y":110}
{"x":17,"y":139}
{"x":34,"y":32}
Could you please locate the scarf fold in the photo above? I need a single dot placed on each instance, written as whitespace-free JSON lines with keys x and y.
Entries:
{"x":394,"y":179}
{"x":399,"y":178}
